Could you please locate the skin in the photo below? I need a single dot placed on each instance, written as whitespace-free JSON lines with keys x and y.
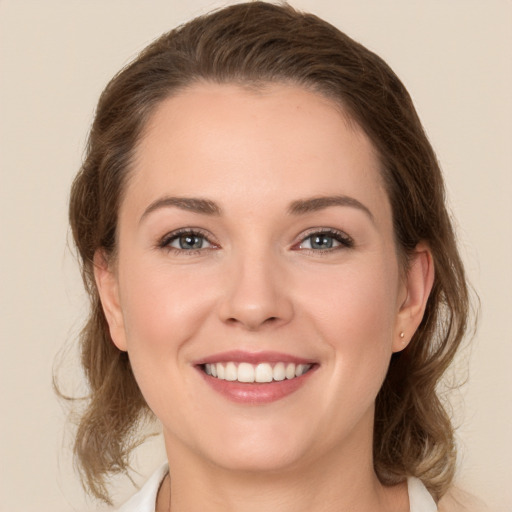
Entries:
{"x":258,"y":285}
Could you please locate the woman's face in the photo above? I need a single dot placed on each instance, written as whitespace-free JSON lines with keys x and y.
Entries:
{"x":256,"y":244}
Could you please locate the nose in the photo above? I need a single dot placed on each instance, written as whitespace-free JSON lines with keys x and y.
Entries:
{"x":256,"y":293}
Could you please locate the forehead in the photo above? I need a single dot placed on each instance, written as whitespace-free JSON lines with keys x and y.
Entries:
{"x":279,"y":142}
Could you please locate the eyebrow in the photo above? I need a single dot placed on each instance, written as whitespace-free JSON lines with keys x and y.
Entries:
{"x":298,"y":207}
{"x":313,"y":204}
{"x":191,"y":204}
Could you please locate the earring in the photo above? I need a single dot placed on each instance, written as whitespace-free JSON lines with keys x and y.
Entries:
{"x":402,"y":335}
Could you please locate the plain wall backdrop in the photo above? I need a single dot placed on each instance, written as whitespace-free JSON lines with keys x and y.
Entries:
{"x":455,"y":57}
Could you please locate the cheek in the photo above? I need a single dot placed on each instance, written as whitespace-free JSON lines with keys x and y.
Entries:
{"x":163,"y":311}
{"x":354,"y":310}
{"x":355,"y":298}
{"x":163,"y":308}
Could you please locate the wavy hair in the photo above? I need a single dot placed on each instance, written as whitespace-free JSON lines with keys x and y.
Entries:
{"x":253,"y":44}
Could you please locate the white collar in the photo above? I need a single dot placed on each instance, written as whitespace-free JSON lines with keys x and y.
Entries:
{"x":145,"y":500}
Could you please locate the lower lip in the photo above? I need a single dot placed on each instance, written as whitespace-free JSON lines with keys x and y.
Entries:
{"x":256,"y":393}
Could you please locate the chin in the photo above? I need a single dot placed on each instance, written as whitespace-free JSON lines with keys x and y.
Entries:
{"x":258,"y":458}
{"x":252,"y":446}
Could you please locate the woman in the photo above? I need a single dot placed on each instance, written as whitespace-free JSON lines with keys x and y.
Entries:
{"x":272,"y":272}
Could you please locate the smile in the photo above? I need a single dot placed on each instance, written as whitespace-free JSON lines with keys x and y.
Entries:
{"x":258,"y":373}
{"x":255,"y":378}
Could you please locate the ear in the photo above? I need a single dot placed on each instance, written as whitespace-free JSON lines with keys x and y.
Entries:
{"x":417,"y":286}
{"x":108,"y":289}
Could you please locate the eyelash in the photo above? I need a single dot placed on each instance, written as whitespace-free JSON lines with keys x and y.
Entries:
{"x":345,"y":241}
{"x":165,"y":242}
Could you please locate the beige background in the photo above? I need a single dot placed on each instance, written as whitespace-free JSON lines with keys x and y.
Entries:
{"x":55,"y":57}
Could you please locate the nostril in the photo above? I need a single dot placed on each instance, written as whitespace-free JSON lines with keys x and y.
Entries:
{"x":270,"y":321}
{"x":253,"y":324}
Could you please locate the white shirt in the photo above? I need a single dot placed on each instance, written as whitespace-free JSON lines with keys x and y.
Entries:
{"x":145,"y":500}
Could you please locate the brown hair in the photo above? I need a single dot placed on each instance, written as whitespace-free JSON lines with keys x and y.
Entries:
{"x":251,"y":44}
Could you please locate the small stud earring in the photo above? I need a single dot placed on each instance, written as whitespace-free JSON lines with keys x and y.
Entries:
{"x":402,"y":334}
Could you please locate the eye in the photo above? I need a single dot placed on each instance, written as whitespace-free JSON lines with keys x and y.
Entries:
{"x":326,"y":240}
{"x":186,"y":241}
{"x":189,"y":241}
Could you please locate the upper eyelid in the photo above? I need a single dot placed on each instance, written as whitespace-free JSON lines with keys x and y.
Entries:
{"x":344,"y":241}
{"x":326,"y":231}
{"x":172,"y":235}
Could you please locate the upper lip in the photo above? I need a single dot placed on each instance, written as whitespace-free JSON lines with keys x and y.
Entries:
{"x":240,"y":356}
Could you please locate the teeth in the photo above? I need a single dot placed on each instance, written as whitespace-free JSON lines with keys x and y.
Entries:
{"x":245,"y":372}
{"x":262,"y":372}
{"x":300,"y":370}
{"x":279,"y":372}
{"x":290,"y":371}
{"x":231,"y":372}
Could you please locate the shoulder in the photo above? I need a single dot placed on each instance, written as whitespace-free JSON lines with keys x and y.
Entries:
{"x":145,"y":499}
{"x":458,"y":500}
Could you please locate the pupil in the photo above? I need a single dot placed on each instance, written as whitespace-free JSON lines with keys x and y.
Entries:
{"x":321,"y":242}
{"x":191,"y":242}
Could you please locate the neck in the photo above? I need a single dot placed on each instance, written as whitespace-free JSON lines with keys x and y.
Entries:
{"x":345,"y":480}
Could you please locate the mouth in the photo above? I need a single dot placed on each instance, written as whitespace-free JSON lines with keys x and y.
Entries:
{"x":255,"y":378}
{"x":255,"y":373}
